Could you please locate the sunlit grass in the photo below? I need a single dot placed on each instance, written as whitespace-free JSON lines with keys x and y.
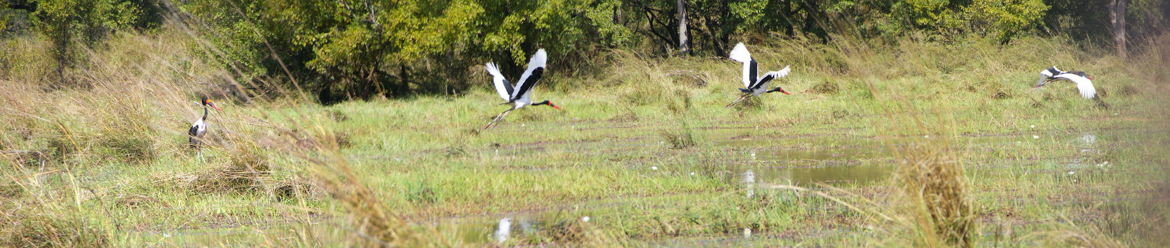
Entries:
{"x":645,"y":149}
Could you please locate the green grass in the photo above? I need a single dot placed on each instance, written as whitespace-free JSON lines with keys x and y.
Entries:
{"x":645,"y":149}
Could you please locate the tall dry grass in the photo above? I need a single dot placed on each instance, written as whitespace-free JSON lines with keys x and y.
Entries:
{"x":131,"y":105}
{"x":933,"y":192}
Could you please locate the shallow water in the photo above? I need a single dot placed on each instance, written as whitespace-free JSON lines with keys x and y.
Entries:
{"x":799,"y":161}
{"x":808,"y":161}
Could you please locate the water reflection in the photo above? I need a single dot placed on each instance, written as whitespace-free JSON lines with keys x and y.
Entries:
{"x":749,"y":181}
{"x":503,"y":229}
{"x":812,"y":176}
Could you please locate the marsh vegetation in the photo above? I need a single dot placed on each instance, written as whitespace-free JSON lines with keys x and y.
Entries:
{"x":909,"y":142}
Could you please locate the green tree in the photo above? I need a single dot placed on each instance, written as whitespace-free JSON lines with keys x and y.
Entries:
{"x":355,"y":48}
{"x":73,"y":24}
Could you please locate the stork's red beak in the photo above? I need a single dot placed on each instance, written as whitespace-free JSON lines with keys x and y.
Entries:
{"x":213,"y":106}
{"x":554,"y":106}
{"x":785,"y":92}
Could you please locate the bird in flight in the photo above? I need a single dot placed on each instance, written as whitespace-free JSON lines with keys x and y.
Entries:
{"x":519,"y":95}
{"x":755,"y":85}
{"x":1083,"y":81}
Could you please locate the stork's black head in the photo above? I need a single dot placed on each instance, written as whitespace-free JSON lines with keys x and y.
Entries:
{"x":549,"y":103}
{"x":778,"y":89}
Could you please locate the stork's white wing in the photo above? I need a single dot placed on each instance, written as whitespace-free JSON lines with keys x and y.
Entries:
{"x":503,"y":87}
{"x":1084,"y":85}
{"x":528,"y":79}
{"x":762,"y":82}
{"x":781,"y":73}
{"x":741,"y":54}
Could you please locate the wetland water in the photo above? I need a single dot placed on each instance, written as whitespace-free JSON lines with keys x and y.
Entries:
{"x":831,"y":160}
{"x":755,"y":161}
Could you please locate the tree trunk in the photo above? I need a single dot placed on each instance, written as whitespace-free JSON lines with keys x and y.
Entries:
{"x":682,"y":28}
{"x":1117,"y":18}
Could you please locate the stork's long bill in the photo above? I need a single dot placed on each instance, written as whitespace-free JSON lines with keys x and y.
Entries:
{"x":209,"y":103}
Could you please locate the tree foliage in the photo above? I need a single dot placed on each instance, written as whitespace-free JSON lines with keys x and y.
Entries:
{"x":360,"y":48}
{"x":352,"y":48}
{"x":71,"y":25}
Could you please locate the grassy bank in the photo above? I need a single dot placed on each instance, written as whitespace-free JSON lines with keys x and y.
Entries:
{"x":644,"y":149}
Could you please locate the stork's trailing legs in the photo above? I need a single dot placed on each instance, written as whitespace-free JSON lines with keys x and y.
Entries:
{"x":737,"y":101}
{"x":498,"y":118}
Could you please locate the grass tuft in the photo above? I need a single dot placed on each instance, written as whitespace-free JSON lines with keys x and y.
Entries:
{"x":130,"y":148}
{"x":931,"y":178}
{"x":248,"y":171}
{"x":48,"y":230}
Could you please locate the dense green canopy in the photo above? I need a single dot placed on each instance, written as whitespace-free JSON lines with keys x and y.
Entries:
{"x":360,"y":48}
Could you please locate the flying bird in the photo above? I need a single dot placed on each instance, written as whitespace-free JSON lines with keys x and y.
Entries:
{"x":1083,"y":81}
{"x":199,"y":128}
{"x":520,"y":95}
{"x":755,"y":85}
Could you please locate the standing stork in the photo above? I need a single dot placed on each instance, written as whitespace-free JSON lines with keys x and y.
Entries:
{"x":199,"y":128}
{"x":754,"y":86}
{"x":1084,"y":82}
{"x":519,"y":96}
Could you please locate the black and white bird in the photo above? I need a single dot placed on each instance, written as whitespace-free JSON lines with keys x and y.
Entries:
{"x":519,"y":95}
{"x":199,"y":128}
{"x":755,"y":85}
{"x":1084,"y":81}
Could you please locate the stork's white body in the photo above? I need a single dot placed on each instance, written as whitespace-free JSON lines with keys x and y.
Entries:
{"x":200,"y":128}
{"x":197,"y":131}
{"x":524,"y":101}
